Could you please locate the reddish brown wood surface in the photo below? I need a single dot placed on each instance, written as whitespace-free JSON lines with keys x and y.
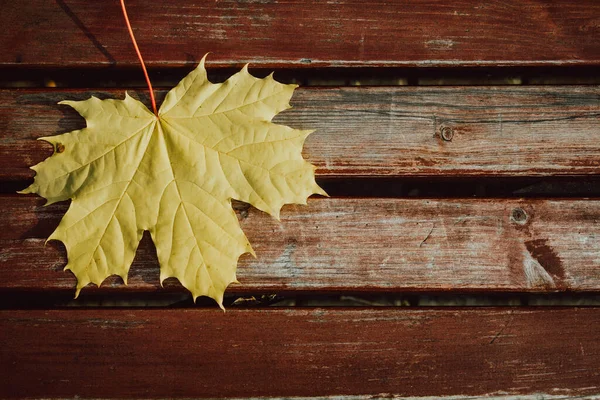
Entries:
{"x":74,"y":33}
{"x":355,"y":245}
{"x":300,"y":352}
{"x":390,"y":131}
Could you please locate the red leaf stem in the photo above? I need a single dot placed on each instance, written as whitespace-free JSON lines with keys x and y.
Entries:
{"x":137,"y":50}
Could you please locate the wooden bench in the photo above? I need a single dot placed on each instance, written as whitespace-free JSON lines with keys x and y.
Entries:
{"x":462,"y":169}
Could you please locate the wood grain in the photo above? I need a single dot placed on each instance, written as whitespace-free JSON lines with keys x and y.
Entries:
{"x":389,"y":131}
{"x":352,"y":245}
{"x":299,"y":352}
{"x":299,"y":33}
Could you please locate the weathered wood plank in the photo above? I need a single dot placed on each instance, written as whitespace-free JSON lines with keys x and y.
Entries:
{"x":298,"y":352}
{"x":390,"y":131}
{"x":279,"y":34}
{"x":338,"y":244}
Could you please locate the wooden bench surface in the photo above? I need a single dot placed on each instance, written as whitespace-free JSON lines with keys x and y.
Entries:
{"x":301,"y":33}
{"x":357,"y":244}
{"x":389,"y":131}
{"x":299,"y":352}
{"x":374,"y":237}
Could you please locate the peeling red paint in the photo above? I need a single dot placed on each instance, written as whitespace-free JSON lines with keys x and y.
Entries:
{"x":547,"y":257}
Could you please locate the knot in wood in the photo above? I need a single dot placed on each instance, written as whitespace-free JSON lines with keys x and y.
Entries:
{"x":519,"y":216}
{"x":447,"y":133}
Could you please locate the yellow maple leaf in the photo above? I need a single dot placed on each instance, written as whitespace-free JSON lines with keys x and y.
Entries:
{"x":174,"y":175}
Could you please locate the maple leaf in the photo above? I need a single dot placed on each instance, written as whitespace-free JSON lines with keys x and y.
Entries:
{"x":174,"y":174}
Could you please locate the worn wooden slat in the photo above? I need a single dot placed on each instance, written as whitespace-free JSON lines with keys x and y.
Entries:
{"x":355,"y":245}
{"x":73,"y":33}
{"x":390,"y":131}
{"x":299,"y":352}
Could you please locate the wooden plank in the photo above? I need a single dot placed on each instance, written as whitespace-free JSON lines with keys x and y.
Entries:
{"x":299,"y":352}
{"x":301,"y":33}
{"x":389,"y":131}
{"x":350,"y":245}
